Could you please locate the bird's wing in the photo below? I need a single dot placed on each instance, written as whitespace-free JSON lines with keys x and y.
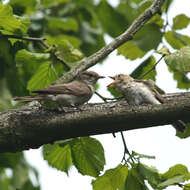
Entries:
{"x":75,"y":88}
{"x":150,"y":85}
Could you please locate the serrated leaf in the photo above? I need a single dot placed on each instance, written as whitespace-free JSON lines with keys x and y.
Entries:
{"x":134,"y":182}
{"x":58,"y":157}
{"x":171,"y":181}
{"x":180,"y":60}
{"x":112,"y":179}
{"x":145,"y":66}
{"x":27,"y":63}
{"x":88,"y":156}
{"x":180,"y":21}
{"x":130,"y":50}
{"x":44,"y":76}
{"x":10,"y":24}
{"x":176,"y":170}
{"x":149,"y":173}
{"x":176,"y":40}
{"x":66,"y":52}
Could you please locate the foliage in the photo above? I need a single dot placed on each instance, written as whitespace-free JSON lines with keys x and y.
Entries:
{"x":73,"y":30}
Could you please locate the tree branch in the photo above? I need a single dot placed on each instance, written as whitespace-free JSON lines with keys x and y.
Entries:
{"x":90,"y":61}
{"x":31,"y":127}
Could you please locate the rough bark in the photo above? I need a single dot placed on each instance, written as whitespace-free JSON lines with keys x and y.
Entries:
{"x":32,"y":126}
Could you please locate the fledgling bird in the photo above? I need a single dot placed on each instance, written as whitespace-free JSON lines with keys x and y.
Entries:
{"x":138,"y":92}
{"x":71,"y":94}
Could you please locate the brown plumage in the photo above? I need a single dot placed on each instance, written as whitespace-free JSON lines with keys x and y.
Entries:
{"x":138,"y":92}
{"x":69,"y":94}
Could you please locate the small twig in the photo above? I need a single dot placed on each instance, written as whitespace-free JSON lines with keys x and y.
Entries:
{"x":42,"y":42}
{"x":105,"y":98}
{"x":151,"y":69}
{"x":126,"y":150}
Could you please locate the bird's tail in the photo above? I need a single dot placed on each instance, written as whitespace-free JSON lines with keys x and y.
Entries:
{"x":179,"y":126}
{"x":27,"y":98}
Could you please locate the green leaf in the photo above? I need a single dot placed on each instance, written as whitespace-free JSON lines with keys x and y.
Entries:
{"x":48,"y":3}
{"x":183,"y":82}
{"x":171,"y":181}
{"x":145,"y":66}
{"x":163,"y":51}
{"x":176,"y":170}
{"x":186,"y":132}
{"x":44,"y":76}
{"x":149,"y":173}
{"x":58,"y":25}
{"x":10,"y":24}
{"x":176,"y":40}
{"x":66,"y":52}
{"x":21,"y":6}
{"x":180,"y":21}
{"x":10,"y":160}
{"x":112,"y":179}
{"x":134,"y":181}
{"x":27,"y":63}
{"x":76,"y":42}
{"x":88,"y":156}
{"x":180,"y":60}
{"x":130,"y":50}
{"x":58,"y":157}
{"x":114,"y":92}
{"x":186,"y":186}
{"x":112,"y":21}
{"x":148,"y":42}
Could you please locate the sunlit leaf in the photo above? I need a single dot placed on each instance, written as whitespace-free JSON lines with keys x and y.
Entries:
{"x":180,"y":21}
{"x":180,"y":60}
{"x":88,"y":156}
{"x":130,"y":50}
{"x":171,"y":181}
{"x":58,"y":157}
{"x":112,"y":179}
{"x":176,"y":40}
{"x":149,"y":173}
{"x":10,"y":24}
{"x":44,"y":76}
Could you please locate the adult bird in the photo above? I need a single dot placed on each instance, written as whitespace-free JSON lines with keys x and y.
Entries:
{"x":71,"y":94}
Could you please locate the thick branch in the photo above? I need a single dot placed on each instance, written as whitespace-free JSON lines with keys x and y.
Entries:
{"x":31,"y":127}
{"x":124,"y":37}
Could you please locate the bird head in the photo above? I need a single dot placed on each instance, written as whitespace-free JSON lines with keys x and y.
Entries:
{"x":89,"y":77}
{"x":120,"y":81}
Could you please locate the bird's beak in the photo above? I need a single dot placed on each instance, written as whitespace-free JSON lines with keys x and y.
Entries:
{"x":112,"y":77}
{"x":101,"y":77}
{"x":112,"y":84}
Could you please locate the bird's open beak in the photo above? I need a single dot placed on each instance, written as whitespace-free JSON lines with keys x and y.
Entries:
{"x":111,"y":84}
{"x":112,"y":77}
